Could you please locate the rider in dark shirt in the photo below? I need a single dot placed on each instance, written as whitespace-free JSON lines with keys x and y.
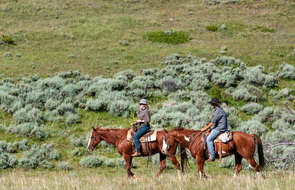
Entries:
{"x":217,"y":125}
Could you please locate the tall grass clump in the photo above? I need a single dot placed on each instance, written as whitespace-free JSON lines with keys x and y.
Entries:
{"x":169,"y":36}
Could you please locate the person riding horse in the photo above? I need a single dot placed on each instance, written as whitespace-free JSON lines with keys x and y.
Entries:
{"x":144,"y":121}
{"x":217,"y":125}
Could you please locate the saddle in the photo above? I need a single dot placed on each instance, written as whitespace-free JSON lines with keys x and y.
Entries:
{"x":222,"y":138}
{"x":148,"y":137}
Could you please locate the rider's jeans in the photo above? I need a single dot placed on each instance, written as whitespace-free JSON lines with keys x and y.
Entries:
{"x":141,"y":131}
{"x":210,"y":140}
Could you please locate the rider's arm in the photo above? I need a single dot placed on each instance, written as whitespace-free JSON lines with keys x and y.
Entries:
{"x":207,"y":127}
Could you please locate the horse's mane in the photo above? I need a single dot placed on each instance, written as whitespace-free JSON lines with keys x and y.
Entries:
{"x":182,"y":129}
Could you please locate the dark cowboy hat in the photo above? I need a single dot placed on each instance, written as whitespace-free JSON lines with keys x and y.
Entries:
{"x":215,"y":102}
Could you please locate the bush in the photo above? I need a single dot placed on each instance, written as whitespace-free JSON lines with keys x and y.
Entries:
{"x":120,"y":108}
{"x":252,"y":108}
{"x":46,"y":164}
{"x":7,"y":39}
{"x":72,"y":118}
{"x":28,"y":114}
{"x":212,"y":28}
{"x":65,"y":107}
{"x":286,"y":71}
{"x":253,"y":127}
{"x":96,"y":105}
{"x":27,"y":163}
{"x":91,"y":162}
{"x":79,"y":142}
{"x":263,"y":29}
{"x":170,"y":37}
{"x":28,"y":130}
{"x":78,"y":152}
{"x":7,"y":161}
{"x":64,"y":166}
{"x":248,"y":93}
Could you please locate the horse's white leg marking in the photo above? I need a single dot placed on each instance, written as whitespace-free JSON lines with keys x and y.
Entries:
{"x":164,"y":147}
{"x":186,"y":138}
{"x":89,"y":142}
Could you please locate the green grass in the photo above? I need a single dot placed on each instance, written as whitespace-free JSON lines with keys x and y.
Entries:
{"x":169,"y":37}
{"x":53,"y":36}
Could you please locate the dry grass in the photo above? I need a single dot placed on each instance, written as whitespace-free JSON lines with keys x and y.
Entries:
{"x":95,"y":179}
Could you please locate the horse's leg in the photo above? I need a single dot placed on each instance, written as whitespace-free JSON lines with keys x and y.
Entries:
{"x":238,"y":160}
{"x":176,"y":164}
{"x":162,"y":164}
{"x":200,"y":161}
{"x":253,"y":163}
{"x":128,"y":161}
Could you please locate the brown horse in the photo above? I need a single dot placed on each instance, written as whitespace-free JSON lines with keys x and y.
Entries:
{"x":118,"y":138}
{"x":242,"y":146}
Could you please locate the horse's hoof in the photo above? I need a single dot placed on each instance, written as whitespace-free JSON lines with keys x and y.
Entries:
{"x":136,"y":177}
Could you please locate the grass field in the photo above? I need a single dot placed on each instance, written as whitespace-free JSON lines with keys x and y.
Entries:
{"x":54,"y":36}
{"x":116,"y":179}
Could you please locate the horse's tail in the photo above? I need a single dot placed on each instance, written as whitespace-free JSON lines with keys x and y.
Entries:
{"x":183,"y":156}
{"x":260,"y":151}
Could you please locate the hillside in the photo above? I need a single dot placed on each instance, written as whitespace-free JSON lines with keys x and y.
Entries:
{"x":67,"y":66}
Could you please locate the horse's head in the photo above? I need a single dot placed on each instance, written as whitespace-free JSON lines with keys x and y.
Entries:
{"x":94,"y":139}
{"x":167,"y":143}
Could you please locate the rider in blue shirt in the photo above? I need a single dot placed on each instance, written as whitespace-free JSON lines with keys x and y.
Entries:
{"x":217,"y":125}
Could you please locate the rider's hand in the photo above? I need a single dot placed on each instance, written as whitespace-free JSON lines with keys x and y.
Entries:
{"x":139,"y":121}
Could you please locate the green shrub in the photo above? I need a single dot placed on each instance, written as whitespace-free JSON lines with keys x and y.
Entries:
{"x":170,"y":37}
{"x":263,"y":29}
{"x":46,"y":164}
{"x":7,"y":39}
{"x":28,"y":130}
{"x":252,"y":108}
{"x":120,"y":108}
{"x":64,"y":166}
{"x":72,"y":118}
{"x":7,"y":161}
{"x":91,"y":162}
{"x":78,"y":152}
{"x":286,"y":71}
{"x":212,"y":28}
{"x":253,"y":127}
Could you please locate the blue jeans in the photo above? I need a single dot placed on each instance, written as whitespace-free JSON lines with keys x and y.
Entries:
{"x":210,"y":140}
{"x":141,"y":131}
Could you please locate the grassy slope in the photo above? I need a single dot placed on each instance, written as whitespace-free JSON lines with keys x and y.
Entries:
{"x":66,"y":35}
{"x":54,"y":36}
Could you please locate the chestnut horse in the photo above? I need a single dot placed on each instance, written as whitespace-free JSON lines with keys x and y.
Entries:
{"x":242,"y":146}
{"x":118,"y":138}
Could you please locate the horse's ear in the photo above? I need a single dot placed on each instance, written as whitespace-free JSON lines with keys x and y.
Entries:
{"x":93,"y":129}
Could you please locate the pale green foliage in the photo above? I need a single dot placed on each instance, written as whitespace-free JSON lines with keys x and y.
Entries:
{"x":287,"y":71}
{"x":64,"y":166}
{"x":253,"y":127}
{"x":252,"y":108}
{"x":28,"y":130}
{"x":7,"y":161}
{"x":91,"y":162}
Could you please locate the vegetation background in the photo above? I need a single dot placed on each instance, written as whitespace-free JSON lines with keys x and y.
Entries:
{"x":101,"y":38}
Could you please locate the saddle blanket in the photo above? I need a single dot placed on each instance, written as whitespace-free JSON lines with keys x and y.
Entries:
{"x":148,"y":137}
{"x":224,"y":137}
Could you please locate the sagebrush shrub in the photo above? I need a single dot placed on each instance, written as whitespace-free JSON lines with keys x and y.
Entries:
{"x":91,"y":162}
{"x":253,"y":127}
{"x":64,"y":166}
{"x":286,"y":71}
{"x":28,"y":130}
{"x":252,"y":108}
